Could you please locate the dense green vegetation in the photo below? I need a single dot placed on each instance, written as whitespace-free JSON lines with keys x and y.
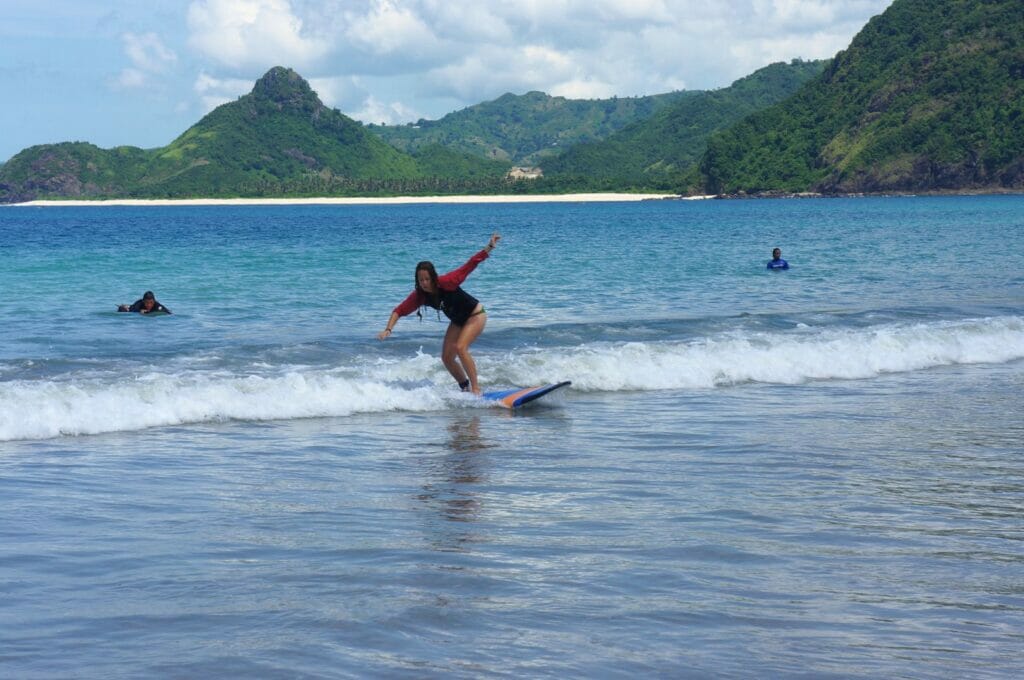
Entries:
{"x":278,"y":140}
{"x":659,"y":153}
{"x":523,"y":129}
{"x":929,"y":96}
{"x":70,"y":169}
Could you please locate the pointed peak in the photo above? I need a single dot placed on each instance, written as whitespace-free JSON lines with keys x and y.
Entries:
{"x":286,"y":88}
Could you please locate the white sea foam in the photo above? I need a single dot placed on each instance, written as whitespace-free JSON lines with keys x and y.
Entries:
{"x":89,"y":405}
{"x":36,"y":410}
{"x":780,"y":358}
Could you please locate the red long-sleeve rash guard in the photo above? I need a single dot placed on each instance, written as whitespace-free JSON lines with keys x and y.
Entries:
{"x":449,"y":282}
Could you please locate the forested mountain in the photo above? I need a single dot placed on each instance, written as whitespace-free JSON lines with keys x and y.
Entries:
{"x":523,"y":129}
{"x":928,"y":96}
{"x":659,"y":153}
{"x":277,"y":140}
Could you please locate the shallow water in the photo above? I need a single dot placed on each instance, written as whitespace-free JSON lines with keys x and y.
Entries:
{"x":816,"y":472}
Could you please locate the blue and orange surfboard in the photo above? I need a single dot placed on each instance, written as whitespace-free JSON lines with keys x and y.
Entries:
{"x":520,"y":396}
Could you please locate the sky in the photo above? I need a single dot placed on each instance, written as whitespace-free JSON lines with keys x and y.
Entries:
{"x":124,"y":72}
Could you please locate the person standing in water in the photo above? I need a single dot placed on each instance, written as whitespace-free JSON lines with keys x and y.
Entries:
{"x":465,"y":312}
{"x":777,"y":262}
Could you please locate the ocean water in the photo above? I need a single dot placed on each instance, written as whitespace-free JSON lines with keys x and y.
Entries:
{"x":809,"y":473}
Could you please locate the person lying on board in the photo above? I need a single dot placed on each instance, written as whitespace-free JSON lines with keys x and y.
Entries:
{"x":465,"y":312}
{"x":777,"y":262}
{"x":145,"y":305}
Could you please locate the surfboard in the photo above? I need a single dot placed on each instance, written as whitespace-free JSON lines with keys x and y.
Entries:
{"x":520,"y":396}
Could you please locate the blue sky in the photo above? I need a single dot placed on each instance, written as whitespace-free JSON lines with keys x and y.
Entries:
{"x":140,"y":73}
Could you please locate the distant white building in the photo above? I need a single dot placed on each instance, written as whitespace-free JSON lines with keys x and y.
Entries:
{"x":524,"y":173}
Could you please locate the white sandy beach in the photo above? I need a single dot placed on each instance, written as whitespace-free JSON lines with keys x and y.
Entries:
{"x":371,"y":200}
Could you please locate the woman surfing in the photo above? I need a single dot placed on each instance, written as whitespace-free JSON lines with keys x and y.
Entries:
{"x":465,"y":312}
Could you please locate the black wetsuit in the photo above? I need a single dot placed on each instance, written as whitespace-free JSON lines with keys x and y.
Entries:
{"x":138,"y":306}
{"x":457,"y":305}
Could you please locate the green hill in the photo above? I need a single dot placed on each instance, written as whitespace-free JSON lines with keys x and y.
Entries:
{"x":70,"y":169}
{"x":277,"y":140}
{"x":522,"y":129}
{"x":928,"y":96}
{"x":658,"y":153}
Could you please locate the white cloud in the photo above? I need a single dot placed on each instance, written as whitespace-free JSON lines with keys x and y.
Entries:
{"x":332,"y":91}
{"x":345,"y":92}
{"x":353,"y":98}
{"x":461,"y":22}
{"x":376,"y":111}
{"x":252,"y":33}
{"x":640,"y":11}
{"x":149,"y":57}
{"x":807,"y":12}
{"x":216,"y":91}
{"x":385,"y":59}
{"x":130,"y":78}
{"x":388,"y":29}
{"x":424,"y":54}
{"x":148,"y":52}
{"x":582,"y":89}
{"x":513,"y":69}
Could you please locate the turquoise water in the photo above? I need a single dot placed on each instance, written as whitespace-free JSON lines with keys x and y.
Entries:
{"x":817,"y":471}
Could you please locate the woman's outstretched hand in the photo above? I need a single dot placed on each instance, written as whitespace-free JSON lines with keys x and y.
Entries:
{"x":495,"y":237}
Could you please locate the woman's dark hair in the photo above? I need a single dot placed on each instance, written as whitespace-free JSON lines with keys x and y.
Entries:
{"x":427,"y":266}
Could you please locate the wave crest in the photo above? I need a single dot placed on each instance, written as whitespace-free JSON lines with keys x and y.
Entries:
{"x":38,"y":409}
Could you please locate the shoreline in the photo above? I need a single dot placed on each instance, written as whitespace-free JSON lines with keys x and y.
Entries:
{"x":365,"y":200}
{"x":609,"y":197}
